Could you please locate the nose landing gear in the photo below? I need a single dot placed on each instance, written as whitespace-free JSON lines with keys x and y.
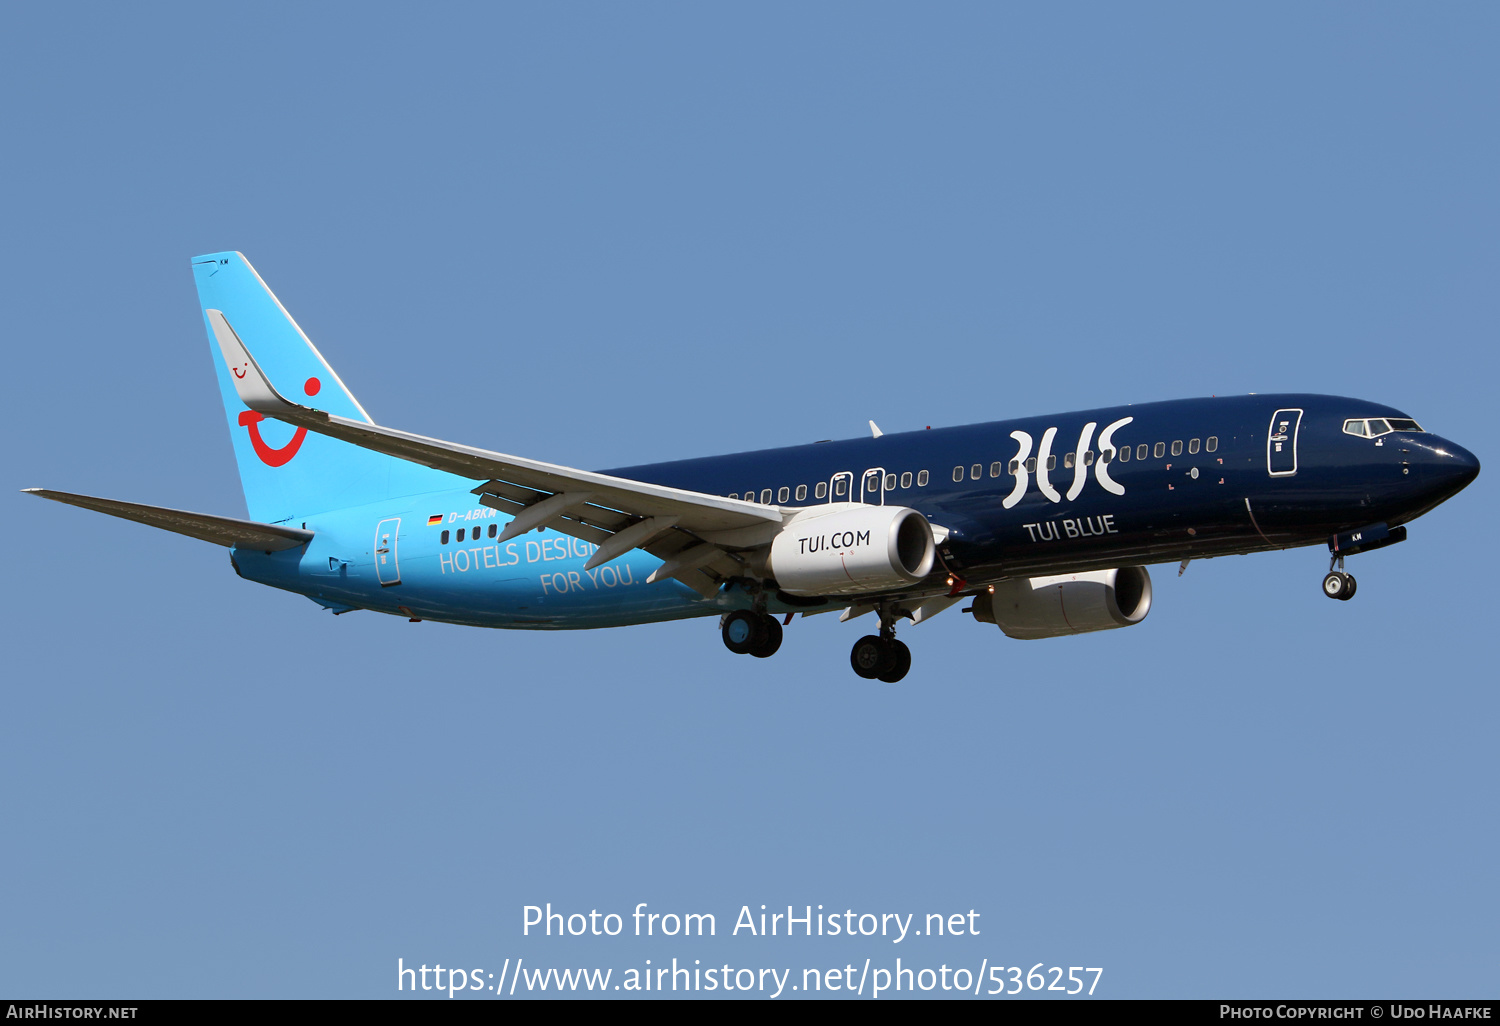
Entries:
{"x":1338,"y":584}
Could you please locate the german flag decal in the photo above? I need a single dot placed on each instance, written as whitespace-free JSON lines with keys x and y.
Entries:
{"x":436,"y":518}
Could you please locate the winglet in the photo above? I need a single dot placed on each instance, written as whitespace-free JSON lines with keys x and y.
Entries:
{"x":875,"y":432}
{"x":254,"y":389}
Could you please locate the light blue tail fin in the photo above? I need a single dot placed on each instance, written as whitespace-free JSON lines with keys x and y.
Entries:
{"x":289,"y":473}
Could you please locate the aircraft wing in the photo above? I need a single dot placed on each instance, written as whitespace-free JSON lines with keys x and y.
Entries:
{"x":249,"y":534}
{"x":615,"y":513}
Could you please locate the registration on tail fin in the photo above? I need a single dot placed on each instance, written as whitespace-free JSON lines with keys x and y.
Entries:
{"x":288,"y":472}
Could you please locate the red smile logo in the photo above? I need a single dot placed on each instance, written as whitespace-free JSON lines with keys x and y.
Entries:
{"x":269,"y":456}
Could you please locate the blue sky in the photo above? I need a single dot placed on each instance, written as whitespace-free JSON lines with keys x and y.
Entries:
{"x":602,"y":235}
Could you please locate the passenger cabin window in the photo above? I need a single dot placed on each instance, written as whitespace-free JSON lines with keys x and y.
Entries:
{"x":1213,"y":443}
{"x":958,"y":473}
{"x":822,"y":490}
{"x":1015,"y":466}
{"x":492,"y":531}
{"x":1193,"y":447}
{"x":460,"y":534}
{"x":1088,"y":458}
{"x":906,"y":480}
{"x":1031,"y":465}
{"x":784,"y":494}
{"x":801,"y":492}
{"x":1177,"y":447}
{"x":975,"y":471}
{"x":1125,"y":454}
{"x":921,"y":479}
{"x":1051,"y":462}
{"x":841,"y":487}
{"x":995,"y":468}
{"x":443,"y":540}
{"x":734,"y":495}
{"x":890,"y":481}
{"x":1161,"y":450}
{"x":1141,"y":450}
{"x":765,"y":496}
{"x":1068,"y":461}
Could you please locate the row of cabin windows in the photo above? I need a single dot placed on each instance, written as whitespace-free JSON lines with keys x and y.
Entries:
{"x":1142,"y":451}
{"x":873,"y":483}
{"x":443,"y":538}
{"x":840,"y":488}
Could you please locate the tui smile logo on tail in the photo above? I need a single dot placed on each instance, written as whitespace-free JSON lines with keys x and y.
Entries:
{"x":251,"y":421}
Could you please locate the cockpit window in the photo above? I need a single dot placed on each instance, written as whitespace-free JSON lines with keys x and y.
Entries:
{"x":1374,"y":427}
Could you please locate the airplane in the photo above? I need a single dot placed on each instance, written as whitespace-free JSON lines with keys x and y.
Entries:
{"x":1042,"y":525}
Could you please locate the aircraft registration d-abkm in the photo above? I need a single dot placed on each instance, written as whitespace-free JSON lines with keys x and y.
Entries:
{"x":1040,"y":526}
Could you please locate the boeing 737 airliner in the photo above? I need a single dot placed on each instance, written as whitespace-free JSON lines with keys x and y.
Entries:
{"x":1039,"y":526}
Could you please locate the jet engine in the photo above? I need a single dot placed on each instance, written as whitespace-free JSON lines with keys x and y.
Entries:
{"x":853,"y":550}
{"x":1053,"y":607}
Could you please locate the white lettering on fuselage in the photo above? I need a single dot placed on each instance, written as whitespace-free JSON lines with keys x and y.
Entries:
{"x":460,"y":560}
{"x":477,"y":513}
{"x":1071,"y":527}
{"x":490,"y":557}
{"x":1082,"y":455}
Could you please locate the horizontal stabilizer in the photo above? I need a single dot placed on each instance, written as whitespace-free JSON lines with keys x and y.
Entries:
{"x":247,"y":534}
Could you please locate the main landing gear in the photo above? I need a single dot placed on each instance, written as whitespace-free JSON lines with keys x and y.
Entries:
{"x":1338,"y":584}
{"x":875,"y":656}
{"x":750,"y":633}
{"x":881,"y":656}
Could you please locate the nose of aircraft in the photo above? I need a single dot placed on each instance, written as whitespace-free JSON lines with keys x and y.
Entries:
{"x":1449,"y":467}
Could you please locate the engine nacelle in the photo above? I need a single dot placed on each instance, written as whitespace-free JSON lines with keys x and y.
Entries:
{"x":1053,"y":607}
{"x":853,"y":550}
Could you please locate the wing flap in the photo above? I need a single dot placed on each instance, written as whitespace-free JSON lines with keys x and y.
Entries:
{"x":225,"y":531}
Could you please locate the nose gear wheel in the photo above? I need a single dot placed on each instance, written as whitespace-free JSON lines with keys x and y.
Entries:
{"x":1339,"y":585}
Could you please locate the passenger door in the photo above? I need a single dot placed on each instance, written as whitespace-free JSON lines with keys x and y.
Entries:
{"x":1281,"y":443}
{"x":387,"y":568}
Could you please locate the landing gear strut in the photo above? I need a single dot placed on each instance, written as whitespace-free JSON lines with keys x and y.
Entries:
{"x":750,"y":633}
{"x":1338,"y":584}
{"x":881,"y":656}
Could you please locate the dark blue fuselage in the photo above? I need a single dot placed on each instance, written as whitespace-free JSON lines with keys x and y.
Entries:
{"x":1190,"y":504}
{"x":1021,"y":498}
